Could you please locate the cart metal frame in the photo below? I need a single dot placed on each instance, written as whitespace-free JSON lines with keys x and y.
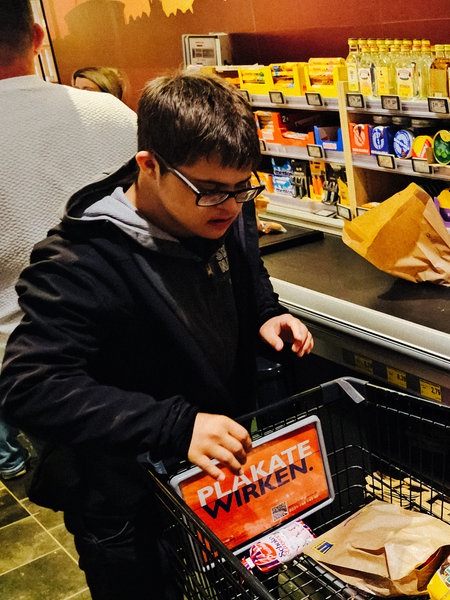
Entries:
{"x":381,"y":444}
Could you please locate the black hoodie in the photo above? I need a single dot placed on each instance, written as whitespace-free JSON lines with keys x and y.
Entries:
{"x":105,"y":362}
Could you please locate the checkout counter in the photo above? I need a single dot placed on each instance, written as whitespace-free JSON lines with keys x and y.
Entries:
{"x":388,"y":330}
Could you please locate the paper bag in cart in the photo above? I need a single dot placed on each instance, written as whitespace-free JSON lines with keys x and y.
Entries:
{"x":384,"y":549}
{"x":404,"y":236}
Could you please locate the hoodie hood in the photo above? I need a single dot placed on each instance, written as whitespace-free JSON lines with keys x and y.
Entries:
{"x":94,"y":203}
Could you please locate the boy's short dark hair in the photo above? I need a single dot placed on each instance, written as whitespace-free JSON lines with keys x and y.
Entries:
{"x":189,"y":116}
{"x":16,"y":28}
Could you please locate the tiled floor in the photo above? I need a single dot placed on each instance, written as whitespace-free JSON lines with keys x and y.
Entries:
{"x":38,"y":560}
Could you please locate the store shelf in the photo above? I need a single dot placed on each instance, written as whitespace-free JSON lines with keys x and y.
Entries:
{"x":304,"y":213}
{"x":402,"y":166}
{"x":301,"y":153}
{"x":408,"y":108}
{"x":297,"y":102}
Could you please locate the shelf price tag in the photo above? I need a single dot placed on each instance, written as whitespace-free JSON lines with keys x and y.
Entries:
{"x":315,"y":151}
{"x":245,"y":94}
{"x":429,"y":390}
{"x":396,"y":377}
{"x":386,"y":161}
{"x":438,"y":105}
{"x":421,"y":165}
{"x":355,"y":101}
{"x":364,"y":364}
{"x":390,"y":102}
{"x":313,"y":99}
{"x":344,"y":211}
{"x":276,"y":97}
{"x":262,"y":145}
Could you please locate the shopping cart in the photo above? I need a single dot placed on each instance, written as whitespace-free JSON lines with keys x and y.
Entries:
{"x":381,"y":444}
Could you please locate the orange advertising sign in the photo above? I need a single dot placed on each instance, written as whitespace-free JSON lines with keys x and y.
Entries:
{"x":286,"y":476}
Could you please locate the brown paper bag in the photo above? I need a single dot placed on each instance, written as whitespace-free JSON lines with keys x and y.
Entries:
{"x":384,"y":549}
{"x":404,"y":236}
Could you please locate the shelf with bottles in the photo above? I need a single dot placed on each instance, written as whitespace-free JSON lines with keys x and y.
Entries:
{"x":407,"y":69}
{"x":431,"y":108}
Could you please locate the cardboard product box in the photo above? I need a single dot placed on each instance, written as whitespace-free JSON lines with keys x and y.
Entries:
{"x":289,"y":78}
{"x":281,"y":165}
{"x":301,"y":178}
{"x":323,"y":74}
{"x":296,"y":129}
{"x":282,"y":184}
{"x":266,"y":124}
{"x":318,"y":170}
{"x":381,"y":140}
{"x":330,"y":138}
{"x":256,"y":79}
{"x":360,"y":137}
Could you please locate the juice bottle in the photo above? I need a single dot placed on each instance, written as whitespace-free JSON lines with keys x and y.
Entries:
{"x":352,"y":64}
{"x":366,"y":74}
{"x":439,"y":73}
{"x":405,"y":74}
{"x":382,"y":71}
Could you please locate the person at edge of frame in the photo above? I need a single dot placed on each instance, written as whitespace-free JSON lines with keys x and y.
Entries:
{"x":143,"y":311}
{"x":54,"y":139}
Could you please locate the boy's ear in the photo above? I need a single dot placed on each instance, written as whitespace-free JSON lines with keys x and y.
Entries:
{"x":38,"y":38}
{"x":147,"y":162}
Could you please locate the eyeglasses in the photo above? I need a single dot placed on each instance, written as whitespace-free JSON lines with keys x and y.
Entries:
{"x":213,"y":198}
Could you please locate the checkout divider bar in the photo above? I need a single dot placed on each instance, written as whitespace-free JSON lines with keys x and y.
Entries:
{"x":373,"y":327}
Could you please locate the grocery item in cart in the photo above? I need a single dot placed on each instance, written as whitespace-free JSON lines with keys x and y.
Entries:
{"x":384,"y":549}
{"x":286,"y":476}
{"x":279,"y":547}
{"x":439,"y":586}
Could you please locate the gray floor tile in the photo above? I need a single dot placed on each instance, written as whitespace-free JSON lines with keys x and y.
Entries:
{"x":22,"y":542}
{"x":52,"y":577}
{"x":10,"y":510}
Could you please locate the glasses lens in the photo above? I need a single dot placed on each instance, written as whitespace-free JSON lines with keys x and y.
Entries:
{"x":240,"y":196}
{"x":212,"y":199}
{"x":247,"y":195}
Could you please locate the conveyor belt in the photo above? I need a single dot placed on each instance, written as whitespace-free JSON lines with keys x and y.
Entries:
{"x":392,"y":329}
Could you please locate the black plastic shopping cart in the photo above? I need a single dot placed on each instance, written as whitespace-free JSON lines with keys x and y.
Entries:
{"x":381,"y":444}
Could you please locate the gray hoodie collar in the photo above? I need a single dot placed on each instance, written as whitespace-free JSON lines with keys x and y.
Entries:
{"x":117,"y":209}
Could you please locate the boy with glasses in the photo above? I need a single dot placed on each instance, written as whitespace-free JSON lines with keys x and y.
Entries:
{"x":143,"y":311}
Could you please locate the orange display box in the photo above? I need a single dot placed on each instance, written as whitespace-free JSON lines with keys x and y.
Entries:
{"x":360,"y":137}
{"x":286,"y":476}
{"x":285,"y":128}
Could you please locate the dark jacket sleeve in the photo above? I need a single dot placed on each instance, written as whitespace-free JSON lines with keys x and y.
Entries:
{"x":50,"y":384}
{"x":267,"y":302}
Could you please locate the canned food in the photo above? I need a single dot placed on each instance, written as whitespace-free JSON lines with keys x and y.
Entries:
{"x":441,"y":147}
{"x":403,"y":143}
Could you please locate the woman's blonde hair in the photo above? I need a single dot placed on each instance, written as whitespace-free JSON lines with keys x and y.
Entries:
{"x":108,"y":79}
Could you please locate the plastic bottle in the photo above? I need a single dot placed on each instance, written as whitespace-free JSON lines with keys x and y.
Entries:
{"x":438,"y":73}
{"x":352,"y":64}
{"x":405,"y":74}
{"x":424,"y":69}
{"x":366,"y":76}
{"x":383,"y":72}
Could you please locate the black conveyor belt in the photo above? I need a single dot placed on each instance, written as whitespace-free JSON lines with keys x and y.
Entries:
{"x":363,"y":317}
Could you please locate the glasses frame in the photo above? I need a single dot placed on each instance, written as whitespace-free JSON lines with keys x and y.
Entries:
{"x":199,"y":195}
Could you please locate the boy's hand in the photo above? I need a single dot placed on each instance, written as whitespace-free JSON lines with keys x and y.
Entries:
{"x":219,"y":437}
{"x":287,"y":328}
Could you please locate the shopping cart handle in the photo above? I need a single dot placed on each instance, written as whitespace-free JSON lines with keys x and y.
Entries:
{"x":352,"y":386}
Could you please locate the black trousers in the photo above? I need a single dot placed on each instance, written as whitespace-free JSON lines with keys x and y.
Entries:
{"x":123,"y":559}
